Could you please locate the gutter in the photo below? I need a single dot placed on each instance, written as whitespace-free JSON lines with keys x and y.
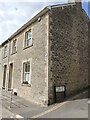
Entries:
{"x":34,"y":19}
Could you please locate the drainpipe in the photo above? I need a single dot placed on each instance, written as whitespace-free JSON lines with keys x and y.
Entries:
{"x":8,"y":57}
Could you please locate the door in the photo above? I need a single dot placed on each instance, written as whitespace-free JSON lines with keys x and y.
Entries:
{"x":4,"y":76}
{"x":10,"y":76}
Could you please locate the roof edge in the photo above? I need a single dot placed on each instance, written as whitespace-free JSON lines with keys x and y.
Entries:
{"x":33,"y":19}
{"x":23,"y":27}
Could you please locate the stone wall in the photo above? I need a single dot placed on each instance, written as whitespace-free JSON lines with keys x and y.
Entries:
{"x":69,"y":49}
{"x":37,"y":92}
{"x":58,"y":55}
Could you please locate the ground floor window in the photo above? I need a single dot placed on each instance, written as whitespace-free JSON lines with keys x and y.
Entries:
{"x":26,"y":73}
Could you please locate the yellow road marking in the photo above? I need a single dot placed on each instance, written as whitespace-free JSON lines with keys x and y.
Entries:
{"x":50,"y":110}
{"x":55,"y":107}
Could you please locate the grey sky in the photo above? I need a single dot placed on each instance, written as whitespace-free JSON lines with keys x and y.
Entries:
{"x":14,"y":14}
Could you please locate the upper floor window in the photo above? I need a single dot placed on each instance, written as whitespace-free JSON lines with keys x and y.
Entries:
{"x":5,"y":51}
{"x":28,"y":38}
{"x":14,"y":48}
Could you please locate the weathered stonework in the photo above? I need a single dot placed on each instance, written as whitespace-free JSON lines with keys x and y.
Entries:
{"x":58,"y":54}
{"x":68,"y":49}
{"x":37,"y":92}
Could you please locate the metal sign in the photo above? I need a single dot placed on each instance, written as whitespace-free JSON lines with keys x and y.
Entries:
{"x":60,"y":89}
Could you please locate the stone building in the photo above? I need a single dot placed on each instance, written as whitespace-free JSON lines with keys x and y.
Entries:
{"x":47,"y":58}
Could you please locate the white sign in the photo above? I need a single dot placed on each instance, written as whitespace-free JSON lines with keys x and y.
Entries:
{"x":60,"y":89}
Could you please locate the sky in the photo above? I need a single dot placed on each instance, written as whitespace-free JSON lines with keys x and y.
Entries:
{"x":14,"y":14}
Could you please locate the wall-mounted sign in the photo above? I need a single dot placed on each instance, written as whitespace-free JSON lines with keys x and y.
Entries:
{"x":60,"y":89}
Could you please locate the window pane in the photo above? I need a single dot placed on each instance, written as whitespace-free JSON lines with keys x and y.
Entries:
{"x":29,"y":35}
{"x":28,"y":42}
{"x":27,"y":77}
{"x":26,"y":67}
{"x":5,"y":51}
{"x":26,"y":35}
{"x":14,"y":43}
{"x":28,"y":38}
{"x":14,"y":46}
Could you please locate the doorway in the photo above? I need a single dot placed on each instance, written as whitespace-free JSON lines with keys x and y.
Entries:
{"x":10,"y":76}
{"x":4,"y":76}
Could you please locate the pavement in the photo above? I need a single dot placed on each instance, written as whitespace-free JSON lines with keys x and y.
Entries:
{"x":0,"y":105}
{"x":75,"y":107}
{"x":19,"y":108}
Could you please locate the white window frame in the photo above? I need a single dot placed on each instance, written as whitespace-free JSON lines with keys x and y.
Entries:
{"x":5,"y":51}
{"x":30,"y":80}
{"x":22,"y":80}
{"x":26,"y":72}
{"x":14,"y":48}
{"x":27,"y":40}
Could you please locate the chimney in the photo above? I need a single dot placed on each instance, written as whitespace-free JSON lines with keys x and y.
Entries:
{"x":78,"y":2}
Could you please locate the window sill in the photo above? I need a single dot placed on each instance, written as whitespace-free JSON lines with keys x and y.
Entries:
{"x":13,"y":53}
{"x":27,"y":85}
{"x":4,"y":57}
{"x":27,"y":47}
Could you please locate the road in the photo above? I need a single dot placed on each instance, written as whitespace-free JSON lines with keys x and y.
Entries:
{"x":76,"y":107}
